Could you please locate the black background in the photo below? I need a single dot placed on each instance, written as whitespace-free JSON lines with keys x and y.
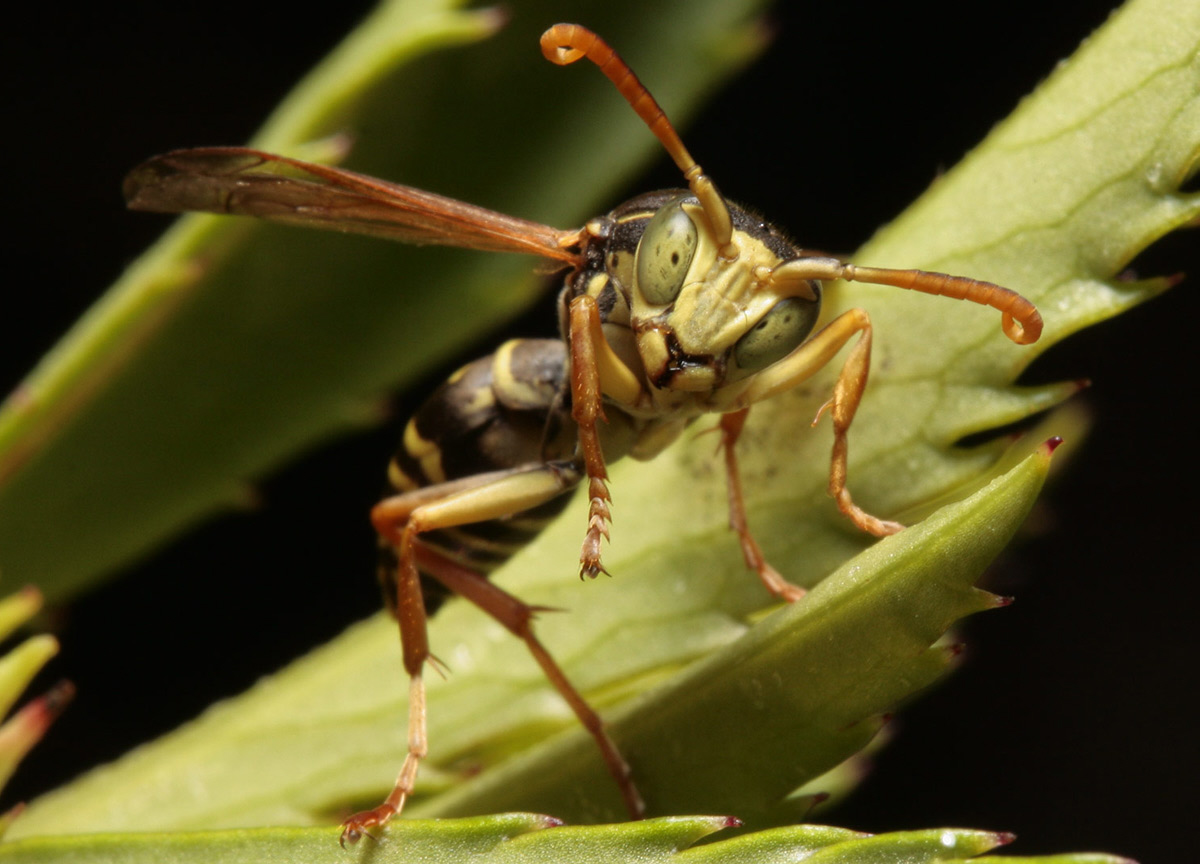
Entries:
{"x":1071,"y":721}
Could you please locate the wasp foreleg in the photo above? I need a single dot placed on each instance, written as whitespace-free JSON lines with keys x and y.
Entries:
{"x":800,"y":365}
{"x":595,"y":371}
{"x":517,"y":617}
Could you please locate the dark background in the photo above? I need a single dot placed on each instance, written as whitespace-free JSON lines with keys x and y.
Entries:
{"x":1071,"y":723}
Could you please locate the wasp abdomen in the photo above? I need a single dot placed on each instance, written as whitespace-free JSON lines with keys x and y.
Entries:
{"x":498,"y":412}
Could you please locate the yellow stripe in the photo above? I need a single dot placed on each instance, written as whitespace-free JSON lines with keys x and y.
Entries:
{"x":515,"y":390}
{"x":426,"y":452}
{"x":400,"y":481}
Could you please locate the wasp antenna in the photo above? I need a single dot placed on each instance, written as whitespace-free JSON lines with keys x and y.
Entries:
{"x":563,"y":44}
{"x":1021,"y":321}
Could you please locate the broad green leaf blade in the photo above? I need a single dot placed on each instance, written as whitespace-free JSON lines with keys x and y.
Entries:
{"x":528,"y":839}
{"x":797,"y":695}
{"x":477,"y":839}
{"x":793,"y":697}
{"x":231,"y":346}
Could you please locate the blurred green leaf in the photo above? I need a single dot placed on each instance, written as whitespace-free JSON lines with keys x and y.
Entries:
{"x":526,"y":839}
{"x":25,"y":728}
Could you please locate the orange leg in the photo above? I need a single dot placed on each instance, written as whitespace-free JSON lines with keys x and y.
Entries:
{"x":587,"y":408}
{"x":800,"y":365}
{"x":400,"y":520}
{"x":847,"y":393}
{"x":596,"y":372}
{"x":517,"y":617}
{"x":410,"y":612}
{"x":731,"y":430}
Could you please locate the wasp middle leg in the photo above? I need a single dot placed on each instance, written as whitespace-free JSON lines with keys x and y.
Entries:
{"x":731,"y":429}
{"x":517,"y":617}
{"x":596,"y":371}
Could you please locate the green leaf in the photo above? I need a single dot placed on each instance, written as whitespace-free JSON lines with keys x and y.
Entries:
{"x":798,"y":694}
{"x":25,"y":728}
{"x":524,"y":839}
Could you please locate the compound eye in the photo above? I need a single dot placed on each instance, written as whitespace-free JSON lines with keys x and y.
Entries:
{"x":774,"y":337}
{"x":665,"y":253}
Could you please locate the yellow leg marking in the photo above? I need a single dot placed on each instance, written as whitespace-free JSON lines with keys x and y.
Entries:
{"x":473,"y":499}
{"x":616,"y":380}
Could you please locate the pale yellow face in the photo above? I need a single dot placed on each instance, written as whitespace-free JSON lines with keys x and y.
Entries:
{"x":701,"y":318}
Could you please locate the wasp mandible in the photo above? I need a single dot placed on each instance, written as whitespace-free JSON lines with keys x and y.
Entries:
{"x":674,"y":305}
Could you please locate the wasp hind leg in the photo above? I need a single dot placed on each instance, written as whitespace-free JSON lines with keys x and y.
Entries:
{"x":516,"y":616}
{"x":400,"y":520}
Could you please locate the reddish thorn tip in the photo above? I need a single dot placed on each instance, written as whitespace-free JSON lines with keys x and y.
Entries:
{"x":31,"y":593}
{"x":1082,"y":384}
{"x":814,"y":801}
{"x":1052,"y":444}
{"x":494,"y":17}
{"x":57,"y":698}
{"x":999,"y":601}
{"x":956,"y":649}
{"x":733,"y":822}
{"x":14,"y":811}
{"x":1003,"y":838}
{"x":21,"y":397}
{"x":1174,"y":279}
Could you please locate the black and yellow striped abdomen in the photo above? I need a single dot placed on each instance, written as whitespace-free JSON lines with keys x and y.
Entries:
{"x":498,"y":412}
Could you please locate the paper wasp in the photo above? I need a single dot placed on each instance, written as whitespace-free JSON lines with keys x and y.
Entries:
{"x":676,"y":304}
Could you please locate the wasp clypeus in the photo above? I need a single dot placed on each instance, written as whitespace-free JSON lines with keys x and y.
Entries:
{"x":676,"y":304}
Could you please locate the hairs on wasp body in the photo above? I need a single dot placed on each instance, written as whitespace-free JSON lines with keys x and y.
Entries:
{"x":675,"y":305}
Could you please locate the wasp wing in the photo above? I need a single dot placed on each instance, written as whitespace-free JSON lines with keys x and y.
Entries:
{"x":246,"y":182}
